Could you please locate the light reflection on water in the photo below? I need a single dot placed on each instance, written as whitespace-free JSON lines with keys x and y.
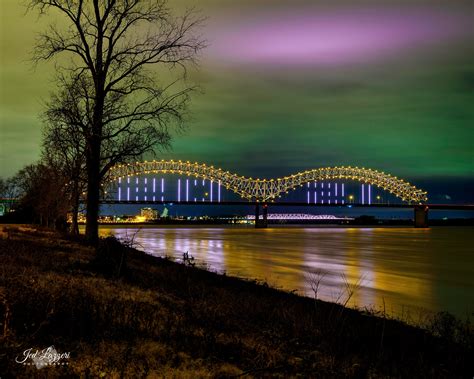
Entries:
{"x":403,"y":268}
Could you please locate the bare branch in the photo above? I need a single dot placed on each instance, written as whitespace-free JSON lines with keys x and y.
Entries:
{"x":110,"y":106}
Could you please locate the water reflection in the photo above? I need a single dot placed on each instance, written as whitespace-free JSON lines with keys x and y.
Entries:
{"x":399,"y":268}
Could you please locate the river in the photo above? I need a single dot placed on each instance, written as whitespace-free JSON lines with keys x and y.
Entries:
{"x":406,"y":272}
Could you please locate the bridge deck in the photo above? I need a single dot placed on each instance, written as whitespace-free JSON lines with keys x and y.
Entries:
{"x":464,"y":207}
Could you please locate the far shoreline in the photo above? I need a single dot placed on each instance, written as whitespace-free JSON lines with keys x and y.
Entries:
{"x":381,"y":224}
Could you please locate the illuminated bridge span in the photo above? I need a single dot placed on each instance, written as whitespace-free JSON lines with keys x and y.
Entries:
{"x":267,"y":190}
{"x":299,"y":216}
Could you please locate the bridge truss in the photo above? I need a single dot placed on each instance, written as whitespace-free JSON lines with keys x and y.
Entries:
{"x":267,"y":190}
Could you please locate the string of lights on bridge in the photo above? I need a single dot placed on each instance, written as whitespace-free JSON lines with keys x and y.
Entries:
{"x":299,"y":217}
{"x":263,"y":190}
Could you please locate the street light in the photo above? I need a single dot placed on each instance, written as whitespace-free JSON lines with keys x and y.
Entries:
{"x":378,"y":198}
{"x":351,"y":197}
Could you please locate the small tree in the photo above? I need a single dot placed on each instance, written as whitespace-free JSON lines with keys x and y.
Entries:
{"x":3,"y":191}
{"x":126,"y":110}
{"x":42,"y":194}
{"x":3,"y":186}
{"x":9,"y":191}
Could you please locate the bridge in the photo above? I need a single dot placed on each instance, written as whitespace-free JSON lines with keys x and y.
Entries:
{"x":265,"y":190}
{"x":262,"y":192}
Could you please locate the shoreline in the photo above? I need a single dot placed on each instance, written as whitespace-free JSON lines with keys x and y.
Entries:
{"x":279,"y":225}
{"x":199,"y":323}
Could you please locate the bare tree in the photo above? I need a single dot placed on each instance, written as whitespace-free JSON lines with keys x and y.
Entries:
{"x":3,"y":191}
{"x":9,"y":191}
{"x":3,"y":188}
{"x":64,"y":147}
{"x":41,"y":192}
{"x":115,"y":47}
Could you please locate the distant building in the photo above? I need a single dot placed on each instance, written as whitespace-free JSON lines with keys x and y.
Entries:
{"x":149,"y":214}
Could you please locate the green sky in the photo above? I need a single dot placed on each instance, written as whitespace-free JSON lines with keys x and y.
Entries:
{"x":405,"y":107}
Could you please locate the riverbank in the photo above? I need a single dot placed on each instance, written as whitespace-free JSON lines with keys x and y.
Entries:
{"x":120,"y":312}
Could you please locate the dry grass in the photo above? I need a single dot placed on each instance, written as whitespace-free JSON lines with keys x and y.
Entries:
{"x":122,"y":313}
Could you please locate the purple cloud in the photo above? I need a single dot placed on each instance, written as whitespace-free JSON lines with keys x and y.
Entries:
{"x":332,"y":37}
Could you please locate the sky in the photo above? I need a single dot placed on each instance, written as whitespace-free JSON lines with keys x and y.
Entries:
{"x":293,"y":85}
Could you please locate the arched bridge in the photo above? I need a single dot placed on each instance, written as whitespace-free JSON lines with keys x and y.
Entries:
{"x":266,"y":190}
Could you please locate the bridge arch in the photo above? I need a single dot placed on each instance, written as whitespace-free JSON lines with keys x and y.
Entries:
{"x":270,"y":189}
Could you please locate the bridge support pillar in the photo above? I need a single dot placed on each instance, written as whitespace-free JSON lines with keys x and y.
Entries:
{"x":265,"y":215}
{"x":257,"y":215}
{"x":421,"y":216}
{"x":261,"y":223}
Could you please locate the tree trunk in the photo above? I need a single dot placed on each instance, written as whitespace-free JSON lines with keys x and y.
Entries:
{"x":93,"y":158}
{"x":93,"y":191}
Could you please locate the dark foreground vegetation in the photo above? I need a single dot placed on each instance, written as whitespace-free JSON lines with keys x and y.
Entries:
{"x":122,"y":313}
